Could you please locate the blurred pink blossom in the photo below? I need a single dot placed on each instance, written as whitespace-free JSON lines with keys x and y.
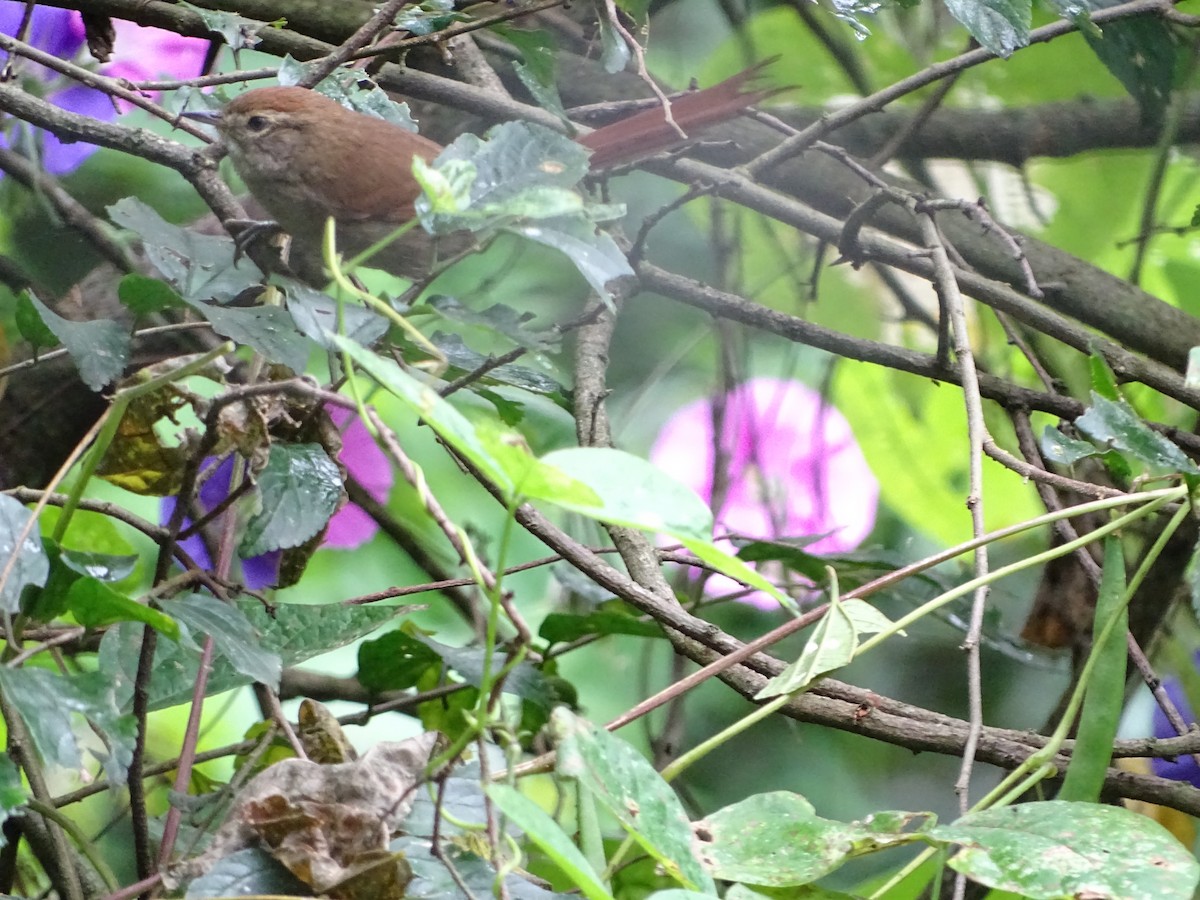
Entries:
{"x":139,"y":54}
{"x":792,"y":470}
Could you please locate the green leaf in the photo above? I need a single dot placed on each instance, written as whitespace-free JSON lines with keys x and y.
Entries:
{"x":462,"y":357}
{"x":560,"y":628}
{"x":633,"y":793}
{"x":144,"y":296}
{"x":1191,"y":379}
{"x":394,"y":661}
{"x":12,"y":791}
{"x":1105,"y":697}
{"x":631,"y":492}
{"x":99,"y":348}
{"x":1117,"y":426}
{"x":447,"y":422}
{"x":32,"y":566}
{"x":269,"y":330}
{"x":239,"y":33}
{"x":346,"y":87}
{"x":294,"y":632}
{"x":433,"y":880}
{"x":775,"y":839}
{"x":428,"y":16}
{"x":593,"y":252}
{"x":245,"y":873}
{"x":300,"y":488}
{"x":1055,"y":849}
{"x":499,"y":318}
{"x":727,"y":564}
{"x":1192,"y":575}
{"x":1143,"y":53}
{"x":614,"y":51}
{"x":831,"y":646}
{"x":94,"y":605}
{"x":1065,"y":451}
{"x":1000,"y":26}
{"x":399,"y":660}
{"x":315,"y":315}
{"x":199,"y":266}
{"x":233,"y":636}
{"x":45,"y":700}
{"x":1104,"y":380}
{"x":102,"y":566}
{"x":547,"y":834}
{"x":30,"y":325}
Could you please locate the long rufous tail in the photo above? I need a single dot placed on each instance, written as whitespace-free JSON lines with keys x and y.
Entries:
{"x":648,"y":132}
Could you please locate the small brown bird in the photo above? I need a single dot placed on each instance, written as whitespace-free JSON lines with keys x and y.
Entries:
{"x":305,"y":157}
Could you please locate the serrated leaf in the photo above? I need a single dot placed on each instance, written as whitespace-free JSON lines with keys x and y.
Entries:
{"x":1000,"y":26}
{"x":293,"y":631}
{"x":636,"y":795}
{"x":99,"y":348}
{"x":1052,"y":849}
{"x":300,"y":488}
{"x":45,"y":700}
{"x":199,"y":266}
{"x":549,"y":836}
{"x":19,"y":539}
{"x":94,"y":605}
{"x":1115,"y":425}
{"x":233,"y":636}
{"x":774,"y":839}
{"x":144,"y":296}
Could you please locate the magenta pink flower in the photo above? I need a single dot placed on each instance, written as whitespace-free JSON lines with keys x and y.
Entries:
{"x":350,"y":526}
{"x":140,"y":54}
{"x":793,"y":470}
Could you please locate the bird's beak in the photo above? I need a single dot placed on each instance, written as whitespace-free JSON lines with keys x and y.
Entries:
{"x":207,"y":116}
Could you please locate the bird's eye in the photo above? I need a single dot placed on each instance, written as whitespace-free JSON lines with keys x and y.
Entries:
{"x":257,"y":123}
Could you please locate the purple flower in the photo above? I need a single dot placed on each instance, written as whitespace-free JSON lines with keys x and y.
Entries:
{"x":1182,"y":768}
{"x":140,"y":53}
{"x":350,"y":526}
{"x":792,"y":469}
